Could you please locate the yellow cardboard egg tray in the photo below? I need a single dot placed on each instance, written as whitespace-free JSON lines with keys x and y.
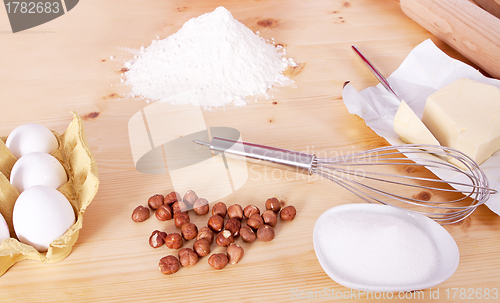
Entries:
{"x":76,"y":158}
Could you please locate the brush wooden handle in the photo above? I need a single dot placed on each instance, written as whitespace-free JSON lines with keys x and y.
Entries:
{"x":464,"y":26}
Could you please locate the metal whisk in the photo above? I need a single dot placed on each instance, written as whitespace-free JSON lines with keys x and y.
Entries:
{"x":361,"y":174}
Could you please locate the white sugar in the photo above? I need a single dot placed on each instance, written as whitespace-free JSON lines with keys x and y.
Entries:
{"x":213,"y":56}
{"x":377,"y":249}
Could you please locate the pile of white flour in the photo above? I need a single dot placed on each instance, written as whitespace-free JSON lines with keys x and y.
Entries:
{"x":213,"y":56}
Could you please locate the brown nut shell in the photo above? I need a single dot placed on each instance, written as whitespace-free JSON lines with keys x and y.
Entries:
{"x":189,"y":197}
{"x":233,"y":225}
{"x":255,"y":221}
{"x":220,"y":209}
{"x":155,"y":201}
{"x":187,"y":257}
{"x":172,"y":197}
{"x":178,"y":207}
{"x":265,"y":233}
{"x":169,"y":265}
{"x":234,"y":253}
{"x":218,"y":261}
{"x":189,"y":231}
{"x":270,"y":217}
{"x":157,"y":238}
{"x":247,"y":234}
{"x":201,"y":206}
{"x":201,"y":247}
{"x":205,"y":233}
{"x":216,"y":223}
{"x":250,"y":210}
{"x":235,"y":211}
{"x":224,"y":238}
{"x":181,"y":218}
{"x":163,"y":213}
{"x":174,"y":241}
{"x":273,"y":204}
{"x":288,"y":213}
{"x":140,"y":214}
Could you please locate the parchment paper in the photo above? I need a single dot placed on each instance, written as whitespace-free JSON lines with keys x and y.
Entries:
{"x":425,"y":70}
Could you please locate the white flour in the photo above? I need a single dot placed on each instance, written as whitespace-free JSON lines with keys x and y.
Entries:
{"x":215,"y":57}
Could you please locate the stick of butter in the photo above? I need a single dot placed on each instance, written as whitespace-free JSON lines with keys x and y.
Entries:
{"x":410,"y":128}
{"x":465,"y":115}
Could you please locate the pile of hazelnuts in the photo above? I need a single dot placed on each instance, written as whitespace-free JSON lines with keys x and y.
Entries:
{"x":172,"y":206}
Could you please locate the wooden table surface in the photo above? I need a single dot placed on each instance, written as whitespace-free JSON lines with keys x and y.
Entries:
{"x":73,"y":64}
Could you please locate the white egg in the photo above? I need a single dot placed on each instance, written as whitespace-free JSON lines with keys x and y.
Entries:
{"x":37,"y":169}
{"x":41,"y":215}
{"x":29,"y":138}
{"x":4,"y":229}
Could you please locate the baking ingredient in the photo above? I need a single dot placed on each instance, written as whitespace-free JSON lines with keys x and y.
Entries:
{"x":234,"y":253}
{"x":187,"y":257}
{"x":410,"y":128}
{"x":235,"y":211}
{"x":247,"y":234}
{"x":174,"y":241}
{"x":155,"y":201}
{"x":265,"y":233}
{"x":172,"y":197}
{"x":377,"y":249}
{"x":224,"y":238}
{"x":201,"y":206}
{"x":250,"y":210}
{"x":220,"y":209}
{"x":169,"y":265}
{"x":465,"y":115}
{"x":216,"y":223}
{"x":201,"y":247}
{"x":189,"y":198}
{"x":41,"y":215}
{"x":37,"y":169}
{"x":4,"y":229}
{"x":213,"y":56}
{"x":157,"y":238}
{"x":181,"y":218}
{"x":30,"y":138}
{"x":178,"y":207}
{"x":189,"y":231}
{"x":140,"y":214}
{"x":163,"y":213}
{"x":288,"y":213}
{"x":205,"y":233}
{"x":273,"y":204}
{"x":218,"y":261}
{"x":270,"y":218}
{"x":255,"y":221}
{"x":233,"y":225}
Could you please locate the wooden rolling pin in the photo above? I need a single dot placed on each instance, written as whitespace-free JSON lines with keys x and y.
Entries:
{"x":463,"y":25}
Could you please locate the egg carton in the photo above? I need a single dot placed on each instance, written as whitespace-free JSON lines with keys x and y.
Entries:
{"x":81,"y":168}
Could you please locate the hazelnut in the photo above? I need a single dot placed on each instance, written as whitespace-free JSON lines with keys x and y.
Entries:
{"x":172,"y":197}
{"x":216,"y":223}
{"x":181,"y":218}
{"x":234,"y":253}
{"x":179,"y":207}
{"x":220,"y":209}
{"x":155,"y":201}
{"x":273,"y":204}
{"x":187,"y":257}
{"x":255,"y":221}
{"x":235,"y":211}
{"x":224,"y":238}
{"x":173,"y":241}
{"x":288,"y":213}
{"x":140,"y":214}
{"x":189,"y":231}
{"x":190,"y":197}
{"x":157,"y":238}
{"x":201,"y":207}
{"x":250,"y":210}
{"x":270,"y":217}
{"x":163,"y":213}
{"x":247,"y":234}
{"x":218,"y":261}
{"x":201,"y":247}
{"x":205,"y":233}
{"x":233,"y":225}
{"x":265,"y":233}
{"x":169,"y":265}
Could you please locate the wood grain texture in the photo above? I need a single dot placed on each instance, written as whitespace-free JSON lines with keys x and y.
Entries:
{"x":73,"y":63}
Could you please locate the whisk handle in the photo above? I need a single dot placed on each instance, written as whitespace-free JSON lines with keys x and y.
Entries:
{"x":261,"y":152}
